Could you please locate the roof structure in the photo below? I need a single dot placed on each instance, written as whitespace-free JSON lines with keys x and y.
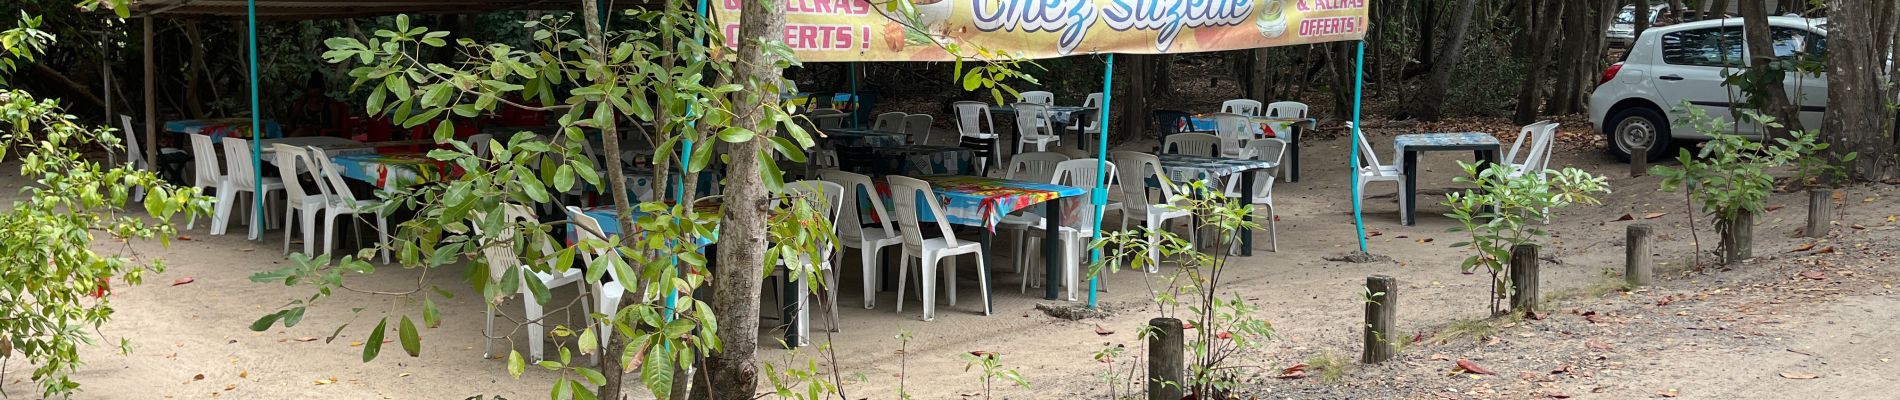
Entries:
{"x":326,"y":9}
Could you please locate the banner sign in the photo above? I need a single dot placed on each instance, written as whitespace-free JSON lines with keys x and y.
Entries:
{"x":864,"y":30}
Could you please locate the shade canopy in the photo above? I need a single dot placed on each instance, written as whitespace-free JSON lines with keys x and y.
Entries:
{"x":328,"y":9}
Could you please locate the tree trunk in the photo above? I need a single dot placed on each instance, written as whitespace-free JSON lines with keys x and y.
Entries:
{"x":1761,"y":49}
{"x":1135,"y":116}
{"x":1675,"y":11}
{"x":1439,"y":83}
{"x":1340,"y":56}
{"x":734,"y":369}
{"x":1858,"y":119}
{"x":1427,"y":52}
{"x":1530,"y":93}
{"x":196,"y":68}
{"x":1259,"y":68}
{"x":1572,"y":60}
{"x":1718,"y":9}
{"x":1642,"y":19}
{"x":623,"y":207}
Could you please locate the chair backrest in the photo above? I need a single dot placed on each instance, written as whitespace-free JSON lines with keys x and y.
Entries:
{"x":1232,"y":129}
{"x":1038,"y":97}
{"x":1034,"y":166}
{"x":1531,"y":134}
{"x":1193,"y":144}
{"x":888,"y":122}
{"x":973,"y":118}
{"x":859,"y":189}
{"x":205,"y":156}
{"x":237,"y":157}
{"x":1539,"y":158}
{"x":1269,"y":149}
{"x":918,"y":125}
{"x":479,"y":143}
{"x":133,"y":152}
{"x":827,"y":122}
{"x":501,"y":253}
{"x":1136,"y":169}
{"x":905,"y":192}
{"x":1286,"y":109}
{"x":1368,"y":158}
{"x":828,"y":194}
{"x":292,"y":164}
{"x":585,"y":226}
{"x":1032,"y":119}
{"x":1247,"y":107}
{"x":339,"y":188}
{"x":1080,"y":173}
{"x":1094,"y":100}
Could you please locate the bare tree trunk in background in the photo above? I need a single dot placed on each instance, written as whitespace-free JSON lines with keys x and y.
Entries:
{"x":1858,"y":118}
{"x":734,"y":369}
{"x":1530,"y":93}
{"x":1774,"y":101}
{"x":1340,"y":57}
{"x":193,"y":104}
{"x":1436,"y":86}
{"x":1642,"y":19}
{"x":1675,"y":11}
{"x":1135,"y":115}
{"x":1259,"y":68}
{"x":1572,"y":60}
{"x":1427,"y":50}
{"x":1718,"y":9}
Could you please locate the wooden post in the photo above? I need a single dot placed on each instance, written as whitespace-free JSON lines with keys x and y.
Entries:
{"x":1381,"y":312}
{"x":1524,"y":279}
{"x":1820,"y":212}
{"x":1639,"y":161}
{"x":151,"y":95}
{"x":1637,"y":266}
{"x":1166,"y":359}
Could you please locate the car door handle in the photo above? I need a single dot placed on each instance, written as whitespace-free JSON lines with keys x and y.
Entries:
{"x":1671,"y":77}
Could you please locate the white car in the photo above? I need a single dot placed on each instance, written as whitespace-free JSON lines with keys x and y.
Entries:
{"x":1639,"y":101}
{"x":1621,"y":28}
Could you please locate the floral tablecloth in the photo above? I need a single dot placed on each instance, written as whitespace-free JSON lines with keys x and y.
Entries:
{"x":219,"y":128}
{"x":1269,"y":127}
{"x":394,"y":171}
{"x":982,"y":201}
{"x":910,"y":160}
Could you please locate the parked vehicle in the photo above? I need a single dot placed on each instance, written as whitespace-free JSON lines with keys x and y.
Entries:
{"x":1623,"y":28}
{"x":1639,"y":101}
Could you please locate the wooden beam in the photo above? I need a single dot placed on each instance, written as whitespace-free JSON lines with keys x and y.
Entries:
{"x":151,"y":99}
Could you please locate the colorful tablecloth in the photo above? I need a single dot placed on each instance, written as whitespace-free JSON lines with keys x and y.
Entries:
{"x":1214,"y":167}
{"x":219,"y":128}
{"x":982,"y":201}
{"x":1269,"y":127}
{"x":1062,"y":115}
{"x":609,"y":225}
{"x":332,"y":146}
{"x":909,"y":160}
{"x":1443,"y":139}
{"x":863,"y":138}
{"x":394,"y":171}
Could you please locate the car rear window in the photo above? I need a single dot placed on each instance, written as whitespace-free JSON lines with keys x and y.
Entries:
{"x":1709,"y":47}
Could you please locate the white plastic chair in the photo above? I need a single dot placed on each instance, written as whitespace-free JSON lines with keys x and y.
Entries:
{"x":1092,"y":104}
{"x":1232,"y":129}
{"x":822,"y":118}
{"x":918,"y":126}
{"x":1247,"y":107}
{"x":135,"y":154}
{"x":1540,"y":135}
{"x":1028,"y":167}
{"x":294,"y":163}
{"x":1270,"y":150}
{"x":852,"y":232}
{"x":1033,"y":127}
{"x":1370,"y":170}
{"x":1193,"y":144}
{"x":479,"y":143}
{"x":208,"y":174}
{"x":1038,"y":97}
{"x":240,"y":180}
{"x":1287,"y":109}
{"x":343,"y":202}
{"x":906,"y":192}
{"x":888,"y":122}
{"x":1136,"y":169}
{"x":607,"y":295}
{"x":830,"y":198}
{"x":1076,"y":232}
{"x":978,"y":130}
{"x":501,"y":255}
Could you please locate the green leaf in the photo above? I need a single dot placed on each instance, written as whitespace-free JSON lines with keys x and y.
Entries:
{"x":539,"y":289}
{"x":430,"y":316}
{"x":411,"y":341}
{"x":592,"y":376}
{"x":588,"y":341}
{"x":374,"y":345}
{"x":768,"y":170}
{"x":657,"y":372}
{"x":735,"y":135}
{"x":515,"y":364}
{"x":564,"y":178}
{"x":264,"y":323}
{"x":292,"y":316}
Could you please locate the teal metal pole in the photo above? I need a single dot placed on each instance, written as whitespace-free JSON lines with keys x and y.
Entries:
{"x":257,"y":131}
{"x":1099,"y":196}
{"x":1358,"y":95}
{"x":679,"y":192}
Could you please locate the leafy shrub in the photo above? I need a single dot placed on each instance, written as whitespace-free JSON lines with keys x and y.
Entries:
{"x":1499,"y":213}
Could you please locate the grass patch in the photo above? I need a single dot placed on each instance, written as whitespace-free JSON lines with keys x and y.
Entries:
{"x":1463,"y":329}
{"x":1329,"y":367}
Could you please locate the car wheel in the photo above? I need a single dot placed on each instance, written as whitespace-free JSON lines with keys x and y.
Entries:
{"x":1638,"y":126}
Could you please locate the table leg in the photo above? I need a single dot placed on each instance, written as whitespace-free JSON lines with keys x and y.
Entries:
{"x":1293,"y":154}
{"x":989,"y":259}
{"x":1052,"y":248}
{"x":788,"y":305}
{"x":1411,"y":188}
{"x":1246,"y":200}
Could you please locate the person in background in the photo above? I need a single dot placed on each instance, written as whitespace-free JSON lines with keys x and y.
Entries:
{"x":311,"y":112}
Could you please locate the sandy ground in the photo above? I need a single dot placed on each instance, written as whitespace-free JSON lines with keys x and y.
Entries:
{"x":180,"y":332}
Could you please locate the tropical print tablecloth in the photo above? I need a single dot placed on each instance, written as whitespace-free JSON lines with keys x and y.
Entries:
{"x":219,"y":128}
{"x":910,"y":160}
{"x":394,"y":171}
{"x":1215,"y":167}
{"x":982,"y":201}
{"x":863,"y":138}
{"x":1269,"y":127}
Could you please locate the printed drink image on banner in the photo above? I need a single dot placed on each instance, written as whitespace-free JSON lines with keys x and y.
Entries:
{"x":921,"y":30}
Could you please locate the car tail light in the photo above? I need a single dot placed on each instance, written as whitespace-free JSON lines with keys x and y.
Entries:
{"x":1610,"y":73}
